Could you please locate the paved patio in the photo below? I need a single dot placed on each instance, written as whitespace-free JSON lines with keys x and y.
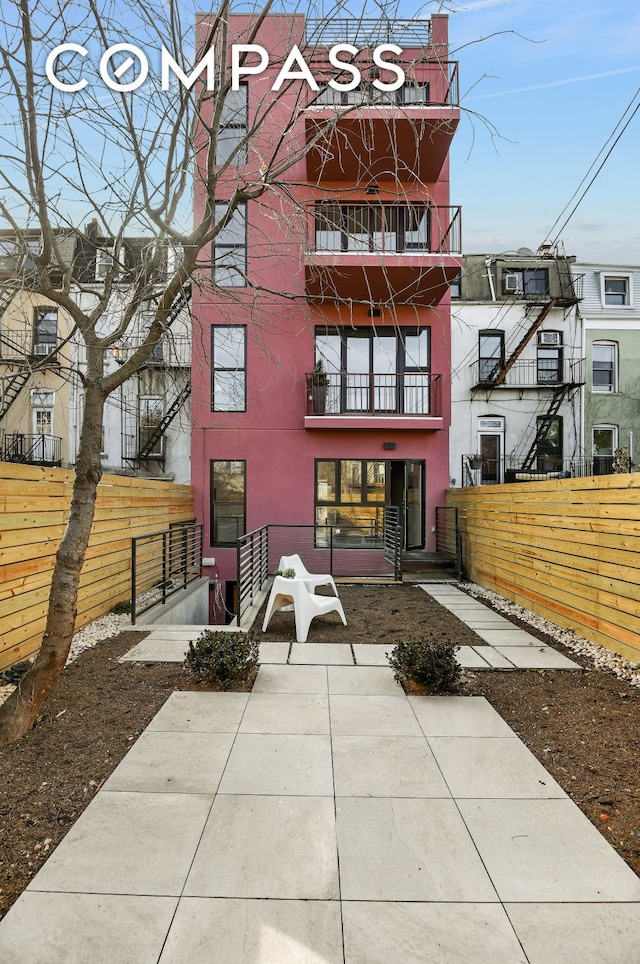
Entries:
{"x":327,"y":817}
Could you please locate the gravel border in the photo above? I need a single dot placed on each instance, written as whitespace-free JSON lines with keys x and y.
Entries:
{"x":600,"y":656}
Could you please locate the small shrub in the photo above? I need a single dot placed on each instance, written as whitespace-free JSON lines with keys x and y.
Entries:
{"x":222,"y":659}
{"x":287,"y":573}
{"x":122,"y":608}
{"x":430,"y":663}
{"x":15,"y":673}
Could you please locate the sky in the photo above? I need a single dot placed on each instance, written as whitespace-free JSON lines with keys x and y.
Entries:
{"x":553,"y":81}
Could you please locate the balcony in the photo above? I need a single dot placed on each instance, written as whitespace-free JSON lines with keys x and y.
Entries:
{"x":32,"y":449}
{"x":172,"y":351}
{"x":367,"y":133}
{"x":383,"y":252}
{"x":542,"y":372}
{"x":478,"y":471}
{"x":393,"y":400}
{"x":19,"y":345}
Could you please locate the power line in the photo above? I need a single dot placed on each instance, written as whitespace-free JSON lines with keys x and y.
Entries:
{"x":595,"y":160}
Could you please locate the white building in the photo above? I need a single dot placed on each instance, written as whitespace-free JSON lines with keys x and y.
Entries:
{"x":517,"y":369}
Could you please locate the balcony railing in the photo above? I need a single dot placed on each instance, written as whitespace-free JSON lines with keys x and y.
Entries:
{"x":437,"y":87}
{"x":21,"y":344}
{"x":386,"y":229}
{"x":32,"y":449}
{"x":540,"y":372}
{"x":477,"y":471}
{"x":368,"y":32}
{"x":170,"y":352}
{"x":399,"y":393}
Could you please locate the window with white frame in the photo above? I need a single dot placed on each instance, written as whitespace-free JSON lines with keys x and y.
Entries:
{"x":604,"y":365}
{"x":605,"y":442}
{"x":616,"y":290}
{"x":45,"y":330}
{"x":151,"y":411}
{"x":104,"y":261}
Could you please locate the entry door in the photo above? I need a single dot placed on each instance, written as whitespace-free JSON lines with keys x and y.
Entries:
{"x":491,"y":452}
{"x":414,"y":505}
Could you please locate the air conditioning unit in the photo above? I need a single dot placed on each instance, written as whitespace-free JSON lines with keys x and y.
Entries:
{"x":42,"y":349}
{"x":511,"y":283}
{"x":549,"y":338}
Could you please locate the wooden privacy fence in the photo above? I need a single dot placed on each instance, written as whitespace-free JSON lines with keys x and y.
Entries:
{"x":34,"y":509}
{"x":568,"y":549}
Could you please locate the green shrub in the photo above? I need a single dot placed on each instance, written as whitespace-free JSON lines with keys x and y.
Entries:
{"x":427,"y":662}
{"x":15,"y":673}
{"x":222,"y":658}
{"x":122,"y":608}
{"x":287,"y":573}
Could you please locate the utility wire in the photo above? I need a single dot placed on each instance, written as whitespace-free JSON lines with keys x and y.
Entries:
{"x":604,"y":161}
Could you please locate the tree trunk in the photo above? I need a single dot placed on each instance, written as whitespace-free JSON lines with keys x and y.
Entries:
{"x":19,"y":712}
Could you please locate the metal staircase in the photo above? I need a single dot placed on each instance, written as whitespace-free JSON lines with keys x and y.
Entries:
{"x":146,"y":449}
{"x":522,"y":344}
{"x":544,"y":422}
{"x":13,"y":389}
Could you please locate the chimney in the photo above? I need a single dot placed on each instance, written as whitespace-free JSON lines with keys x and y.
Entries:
{"x":92,"y":230}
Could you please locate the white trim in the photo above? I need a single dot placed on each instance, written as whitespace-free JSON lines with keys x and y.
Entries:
{"x":618,"y":276}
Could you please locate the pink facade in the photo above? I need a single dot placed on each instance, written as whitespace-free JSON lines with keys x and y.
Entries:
{"x":344,"y":263}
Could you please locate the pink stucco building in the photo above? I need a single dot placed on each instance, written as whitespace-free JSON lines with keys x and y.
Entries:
{"x":345,"y":260}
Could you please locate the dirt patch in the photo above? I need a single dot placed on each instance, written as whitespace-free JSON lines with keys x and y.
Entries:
{"x":583,"y":725}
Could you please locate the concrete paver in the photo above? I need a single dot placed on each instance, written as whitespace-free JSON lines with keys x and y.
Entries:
{"x":381,"y":932}
{"x":577,"y":933}
{"x":288,"y":764}
{"x":278,"y":847}
{"x":546,"y":850}
{"x":128,"y":843}
{"x":491,"y":767}
{"x":222,"y":931}
{"x":173,"y":762}
{"x":536,"y":657}
{"x":386,"y":766}
{"x":407,"y":849}
{"x":327,"y":817}
{"x":362,"y":681}
{"x":59,"y":928}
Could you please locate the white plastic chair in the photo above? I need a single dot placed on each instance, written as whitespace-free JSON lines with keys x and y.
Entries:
{"x":306,"y":605}
{"x":311,"y":579}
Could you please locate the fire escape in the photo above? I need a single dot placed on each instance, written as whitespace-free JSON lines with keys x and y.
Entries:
{"x":148,"y":440}
{"x":562,"y":293}
{"x":12,"y":353}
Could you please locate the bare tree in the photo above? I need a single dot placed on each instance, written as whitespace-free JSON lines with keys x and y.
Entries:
{"x":129,"y":159}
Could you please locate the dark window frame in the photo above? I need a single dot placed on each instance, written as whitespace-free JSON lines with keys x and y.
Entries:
{"x":486,"y":373}
{"x":49,"y":341}
{"x":534,"y":282}
{"x":213,"y":502}
{"x":376,"y":219}
{"x":236,"y":125}
{"x":218,"y":248}
{"x":220,"y":368}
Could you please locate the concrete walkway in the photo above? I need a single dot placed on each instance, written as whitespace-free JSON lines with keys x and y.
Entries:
{"x":326,"y":817}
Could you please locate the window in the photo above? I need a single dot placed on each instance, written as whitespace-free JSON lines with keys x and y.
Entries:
{"x":104,"y":261}
{"x":372,"y":227}
{"x":157,"y":352}
{"x":45,"y":330}
{"x":151,"y":411}
{"x":232,"y":134}
{"x":617,"y":290}
{"x":549,"y":451}
{"x":455,"y":287}
{"x":605,"y":442}
{"x":229,"y":248}
{"x":228,"y":368}
{"x":549,"y":364}
{"x":386,"y":370}
{"x":350,"y":496}
{"x":603,"y":367}
{"x":491,"y":355}
{"x":525,"y":281}
{"x":228,"y":501}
